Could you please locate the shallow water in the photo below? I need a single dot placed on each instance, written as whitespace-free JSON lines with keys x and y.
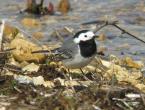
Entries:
{"x":130,"y":13}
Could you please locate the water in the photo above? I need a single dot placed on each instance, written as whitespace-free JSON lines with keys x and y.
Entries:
{"x":130,"y":13}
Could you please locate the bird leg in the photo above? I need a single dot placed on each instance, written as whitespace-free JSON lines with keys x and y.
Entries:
{"x":69,"y":74}
{"x":84,"y":74}
{"x":69,"y":78}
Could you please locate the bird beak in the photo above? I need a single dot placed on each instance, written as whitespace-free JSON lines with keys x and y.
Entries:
{"x":96,"y":36}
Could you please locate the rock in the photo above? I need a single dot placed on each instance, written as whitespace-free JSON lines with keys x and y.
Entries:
{"x":101,"y":37}
{"x":31,"y":6}
{"x":38,"y":35}
{"x":49,"y":84}
{"x":59,"y":82}
{"x":38,"y":9}
{"x":38,"y":80}
{"x":133,"y":96}
{"x":51,"y":21}
{"x":10,"y":32}
{"x":31,"y":68}
{"x":23,"y":79}
{"x":68,"y":93}
{"x":123,"y":46}
{"x":133,"y":64}
{"x":140,"y":87}
{"x":123,"y":74}
{"x":106,"y":63}
{"x":20,"y":35}
{"x":13,"y":62}
{"x":30,"y":3}
{"x":64,"y":6}
{"x":24,"y":63}
{"x":101,"y":50}
{"x":114,"y":59}
{"x":9,"y":73}
{"x":23,"y":51}
{"x":30,"y":22}
{"x":53,"y":64}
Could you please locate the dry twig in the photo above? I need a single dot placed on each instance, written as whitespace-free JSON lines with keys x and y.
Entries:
{"x":113,"y":23}
{"x":1,"y":33}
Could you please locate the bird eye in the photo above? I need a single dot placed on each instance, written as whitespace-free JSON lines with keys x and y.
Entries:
{"x":86,"y":36}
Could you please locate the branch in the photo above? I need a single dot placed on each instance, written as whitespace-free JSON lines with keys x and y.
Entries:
{"x":94,"y":22}
{"x":40,"y":51}
{"x":13,"y":68}
{"x":113,"y":23}
{"x":41,"y":3}
{"x":7,"y":50}
{"x":106,"y":23}
{"x":124,"y":31}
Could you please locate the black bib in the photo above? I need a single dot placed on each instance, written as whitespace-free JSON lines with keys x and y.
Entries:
{"x":88,"y":48}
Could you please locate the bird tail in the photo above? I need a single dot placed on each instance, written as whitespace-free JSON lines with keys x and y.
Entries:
{"x":46,"y":51}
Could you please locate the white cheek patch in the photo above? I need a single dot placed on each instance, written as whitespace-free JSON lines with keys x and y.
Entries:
{"x":89,"y":35}
{"x":77,"y":40}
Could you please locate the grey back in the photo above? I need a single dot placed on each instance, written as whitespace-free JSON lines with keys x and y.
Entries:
{"x":68,"y":48}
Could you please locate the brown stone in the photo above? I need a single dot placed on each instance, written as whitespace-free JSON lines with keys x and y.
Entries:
{"x":64,"y":6}
{"x":23,"y":51}
{"x":130,"y":63}
{"x":38,"y":35}
{"x":10,"y":32}
{"x":30,"y":22}
{"x":101,"y":37}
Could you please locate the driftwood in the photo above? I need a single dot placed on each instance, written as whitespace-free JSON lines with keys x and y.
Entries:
{"x":33,"y":7}
{"x":38,"y":9}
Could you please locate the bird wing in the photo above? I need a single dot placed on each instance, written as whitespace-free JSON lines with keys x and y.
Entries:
{"x":68,"y":48}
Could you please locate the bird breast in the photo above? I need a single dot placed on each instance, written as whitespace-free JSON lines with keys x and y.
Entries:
{"x":77,"y":62}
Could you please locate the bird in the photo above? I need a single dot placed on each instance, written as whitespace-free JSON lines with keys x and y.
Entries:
{"x":77,"y":51}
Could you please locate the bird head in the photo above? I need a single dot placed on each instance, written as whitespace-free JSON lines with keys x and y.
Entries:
{"x":83,"y":36}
